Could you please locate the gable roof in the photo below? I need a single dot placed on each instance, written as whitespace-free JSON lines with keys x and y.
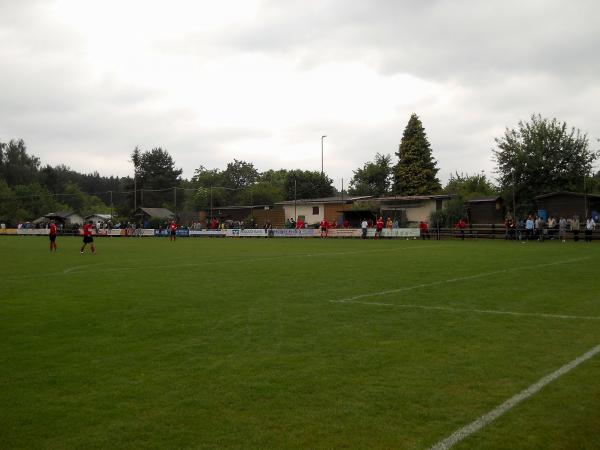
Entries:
{"x":485,"y":199}
{"x":161,"y":213}
{"x":336,"y":199}
{"x":568,"y":193}
{"x":416,"y":197}
{"x":60,"y":214}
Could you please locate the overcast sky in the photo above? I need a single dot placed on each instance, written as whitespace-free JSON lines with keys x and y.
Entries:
{"x":84,"y":82}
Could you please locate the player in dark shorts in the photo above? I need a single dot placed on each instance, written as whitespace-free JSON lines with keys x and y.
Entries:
{"x":88,"y":238}
{"x":52,"y":236}
{"x":324,"y":228}
{"x":378,"y":228}
{"x":173,"y":229}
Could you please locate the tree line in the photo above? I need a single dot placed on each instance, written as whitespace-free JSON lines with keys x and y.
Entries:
{"x":537,"y":156}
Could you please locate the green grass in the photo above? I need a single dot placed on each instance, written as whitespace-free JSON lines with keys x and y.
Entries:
{"x":233,"y":343}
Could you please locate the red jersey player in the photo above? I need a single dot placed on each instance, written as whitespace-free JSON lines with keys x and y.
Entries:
{"x":378,"y":227}
{"x":173,"y":229}
{"x":324,"y":227}
{"x":88,"y":238}
{"x":52,"y":236}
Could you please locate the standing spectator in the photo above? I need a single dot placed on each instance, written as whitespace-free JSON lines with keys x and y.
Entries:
{"x":529,"y":226}
{"x":590,"y":226}
{"x":395,"y":224}
{"x":346,"y":224}
{"x":461,"y":225}
{"x":539,"y":228}
{"x":575,"y":227}
{"x":364,"y":226}
{"x":389,"y":224}
{"x":562,"y":229}
{"x":551,"y":227}
{"x":299,"y":224}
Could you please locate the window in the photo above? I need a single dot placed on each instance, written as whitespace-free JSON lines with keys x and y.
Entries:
{"x":315,"y":210}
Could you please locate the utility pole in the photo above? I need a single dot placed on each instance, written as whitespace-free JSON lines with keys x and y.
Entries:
{"x":343,"y":204}
{"x":134,"y":194}
{"x":295,"y":211}
{"x":211,"y":207}
{"x":111,"y":205}
{"x":175,"y":199}
{"x":322,"y":137}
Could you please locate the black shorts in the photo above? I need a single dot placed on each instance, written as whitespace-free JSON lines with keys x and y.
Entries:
{"x":52,"y":237}
{"x":323,"y":229}
{"x":88,"y":239}
{"x":173,"y":232}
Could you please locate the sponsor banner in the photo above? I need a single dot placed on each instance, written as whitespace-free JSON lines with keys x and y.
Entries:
{"x":8,"y":231}
{"x":247,"y":232}
{"x":33,"y":231}
{"x":290,"y":232}
{"x":343,"y":232}
{"x":396,"y":233}
{"x":208,"y":233}
{"x":184,"y":232}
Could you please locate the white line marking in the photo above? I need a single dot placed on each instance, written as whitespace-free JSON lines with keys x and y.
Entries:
{"x":482,"y":311}
{"x":484,"y":420}
{"x":74,"y":271}
{"x":454,"y":280}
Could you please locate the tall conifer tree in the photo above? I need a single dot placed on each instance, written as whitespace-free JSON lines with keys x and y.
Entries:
{"x":415,"y":173}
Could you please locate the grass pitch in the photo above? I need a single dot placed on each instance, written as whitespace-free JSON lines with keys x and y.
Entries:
{"x":296,"y":343}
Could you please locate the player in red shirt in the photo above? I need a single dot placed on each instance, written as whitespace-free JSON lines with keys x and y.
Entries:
{"x":461,"y":225}
{"x":324,"y":227}
{"x":52,"y":236}
{"x":173,"y":229}
{"x":378,"y":227}
{"x":424,"y":228}
{"x":88,"y":238}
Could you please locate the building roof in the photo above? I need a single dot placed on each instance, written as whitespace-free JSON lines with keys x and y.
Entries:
{"x":101,"y":216}
{"x":416,"y":197}
{"x":572,"y":194}
{"x":336,"y":199}
{"x":485,"y":199}
{"x":161,"y":213}
{"x":60,"y":214}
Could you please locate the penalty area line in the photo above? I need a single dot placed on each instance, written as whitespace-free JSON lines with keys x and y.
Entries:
{"x":458,"y":279}
{"x":486,"y":419}
{"x":466,"y":310}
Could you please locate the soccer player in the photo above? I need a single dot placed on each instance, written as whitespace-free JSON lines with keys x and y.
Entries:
{"x":88,"y":238}
{"x":378,"y":227}
{"x":324,"y":227}
{"x":52,"y":236}
{"x":173,"y":228}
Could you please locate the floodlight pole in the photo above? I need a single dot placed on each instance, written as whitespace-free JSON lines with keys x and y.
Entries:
{"x":295,"y":211}
{"x":322,"y":137}
{"x":111,"y":205}
{"x":134,"y":194}
{"x":211,"y":205}
{"x":343,"y":204}
{"x":514,"y":202}
{"x":175,"y":199}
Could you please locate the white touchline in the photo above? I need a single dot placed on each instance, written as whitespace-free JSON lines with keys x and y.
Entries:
{"x":468,"y":277}
{"x":77,"y":270}
{"x":484,"y":420}
{"x":482,"y":311}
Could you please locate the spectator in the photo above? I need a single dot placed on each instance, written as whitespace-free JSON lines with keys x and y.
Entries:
{"x":590,"y":225}
{"x":529,"y":227}
{"x":562,"y":229}
{"x":364,"y":225}
{"x":575,"y":227}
